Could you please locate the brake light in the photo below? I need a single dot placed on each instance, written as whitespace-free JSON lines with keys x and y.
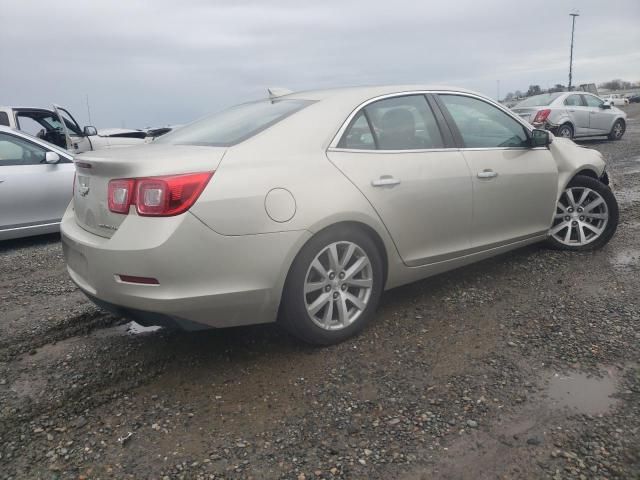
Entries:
{"x":542,"y":116}
{"x":157,"y":196}
{"x":121,"y":194}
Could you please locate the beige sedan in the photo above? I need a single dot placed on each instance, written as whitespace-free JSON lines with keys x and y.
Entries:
{"x":305,"y":206}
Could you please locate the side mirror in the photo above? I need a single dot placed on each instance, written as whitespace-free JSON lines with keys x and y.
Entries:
{"x":605,"y":105}
{"x":540,"y":138}
{"x":51,"y":157}
{"x":90,"y":131}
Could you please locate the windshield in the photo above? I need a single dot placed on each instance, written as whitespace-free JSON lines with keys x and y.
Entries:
{"x":235,"y":124}
{"x":539,"y":100}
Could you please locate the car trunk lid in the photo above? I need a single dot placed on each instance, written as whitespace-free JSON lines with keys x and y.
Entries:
{"x":94,"y":171}
{"x":527,"y":113}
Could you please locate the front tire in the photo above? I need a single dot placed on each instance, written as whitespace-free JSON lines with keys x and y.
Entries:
{"x":618,"y":129}
{"x":586,"y":216}
{"x":333,"y":287}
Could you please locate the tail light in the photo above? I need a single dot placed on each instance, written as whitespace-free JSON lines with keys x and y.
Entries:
{"x":542,"y":116}
{"x":121,"y":195}
{"x":157,"y":196}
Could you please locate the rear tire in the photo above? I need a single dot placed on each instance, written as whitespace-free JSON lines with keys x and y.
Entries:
{"x":618,"y":129}
{"x":565,"y":131}
{"x":586,"y":216}
{"x":333,"y":287}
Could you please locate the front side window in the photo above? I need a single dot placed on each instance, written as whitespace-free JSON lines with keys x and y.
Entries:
{"x":235,"y":124}
{"x":482,"y":125}
{"x":16,"y":151}
{"x":573,"y":101}
{"x":592,"y":101}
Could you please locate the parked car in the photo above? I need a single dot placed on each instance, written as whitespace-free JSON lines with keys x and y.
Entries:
{"x":57,"y":126}
{"x":36,"y":180}
{"x":635,"y":98}
{"x":616,"y":99}
{"x":306,"y":206}
{"x":573,"y":114}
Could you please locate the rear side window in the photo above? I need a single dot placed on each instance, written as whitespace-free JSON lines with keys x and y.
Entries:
{"x":573,"y":100}
{"x":482,"y":125}
{"x":235,"y":124}
{"x":398,"y":123}
{"x":358,"y":136}
{"x":4,"y":119}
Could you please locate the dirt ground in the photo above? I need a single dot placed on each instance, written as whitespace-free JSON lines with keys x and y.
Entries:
{"x":522,"y":366}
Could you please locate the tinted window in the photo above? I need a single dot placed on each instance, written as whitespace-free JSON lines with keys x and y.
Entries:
{"x":235,"y":124}
{"x":404,"y":123}
{"x":358,"y":135}
{"x":593,"y":101}
{"x":482,"y":125}
{"x":4,"y":119}
{"x":539,"y":100}
{"x":16,"y":151}
{"x":573,"y":100}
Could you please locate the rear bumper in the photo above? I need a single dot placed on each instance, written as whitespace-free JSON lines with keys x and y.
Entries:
{"x":205,"y":279}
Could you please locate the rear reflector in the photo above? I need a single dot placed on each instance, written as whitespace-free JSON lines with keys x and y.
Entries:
{"x":157,"y":196}
{"x":141,"y":280}
{"x":542,"y":116}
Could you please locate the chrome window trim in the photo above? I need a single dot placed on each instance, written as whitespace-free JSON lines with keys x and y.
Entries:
{"x":333,"y":146}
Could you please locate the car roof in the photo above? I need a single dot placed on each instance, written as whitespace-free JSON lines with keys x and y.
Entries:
{"x":363,"y":93}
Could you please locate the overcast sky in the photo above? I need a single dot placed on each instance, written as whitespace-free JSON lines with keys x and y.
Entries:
{"x":156,"y":62}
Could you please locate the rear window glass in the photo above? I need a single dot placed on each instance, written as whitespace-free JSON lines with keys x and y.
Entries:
{"x":539,"y":100}
{"x":235,"y":124}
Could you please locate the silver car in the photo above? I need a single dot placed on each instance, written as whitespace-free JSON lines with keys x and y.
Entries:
{"x":573,"y":114}
{"x":36,"y":179}
{"x":304,"y":207}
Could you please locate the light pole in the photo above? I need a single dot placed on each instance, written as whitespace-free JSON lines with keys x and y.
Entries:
{"x":573,"y":15}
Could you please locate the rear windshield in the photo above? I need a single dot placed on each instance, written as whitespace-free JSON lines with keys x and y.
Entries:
{"x":539,"y":100}
{"x":235,"y":124}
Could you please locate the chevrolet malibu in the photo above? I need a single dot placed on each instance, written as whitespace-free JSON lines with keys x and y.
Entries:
{"x":304,"y":207}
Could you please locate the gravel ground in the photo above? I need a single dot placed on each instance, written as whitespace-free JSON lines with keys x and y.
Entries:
{"x":522,"y":366}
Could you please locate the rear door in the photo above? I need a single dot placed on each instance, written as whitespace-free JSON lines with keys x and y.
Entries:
{"x":396,"y":153}
{"x":31,"y":192}
{"x":514,"y":186}
{"x":578,"y":113}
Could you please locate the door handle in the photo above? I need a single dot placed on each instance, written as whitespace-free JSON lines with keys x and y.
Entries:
{"x":487,"y":174}
{"x":385,"y":181}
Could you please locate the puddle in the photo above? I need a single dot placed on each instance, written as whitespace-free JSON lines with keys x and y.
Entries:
{"x":626,"y":258}
{"x":577,"y":391}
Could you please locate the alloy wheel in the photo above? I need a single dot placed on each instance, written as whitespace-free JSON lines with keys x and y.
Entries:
{"x":618,"y":130}
{"x":565,"y":132}
{"x":338,"y":285}
{"x":581,"y":217}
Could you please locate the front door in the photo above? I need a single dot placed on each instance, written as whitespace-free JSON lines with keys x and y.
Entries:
{"x":514,"y":186}
{"x":600,"y":119}
{"x":393,"y":152}
{"x":32,"y":192}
